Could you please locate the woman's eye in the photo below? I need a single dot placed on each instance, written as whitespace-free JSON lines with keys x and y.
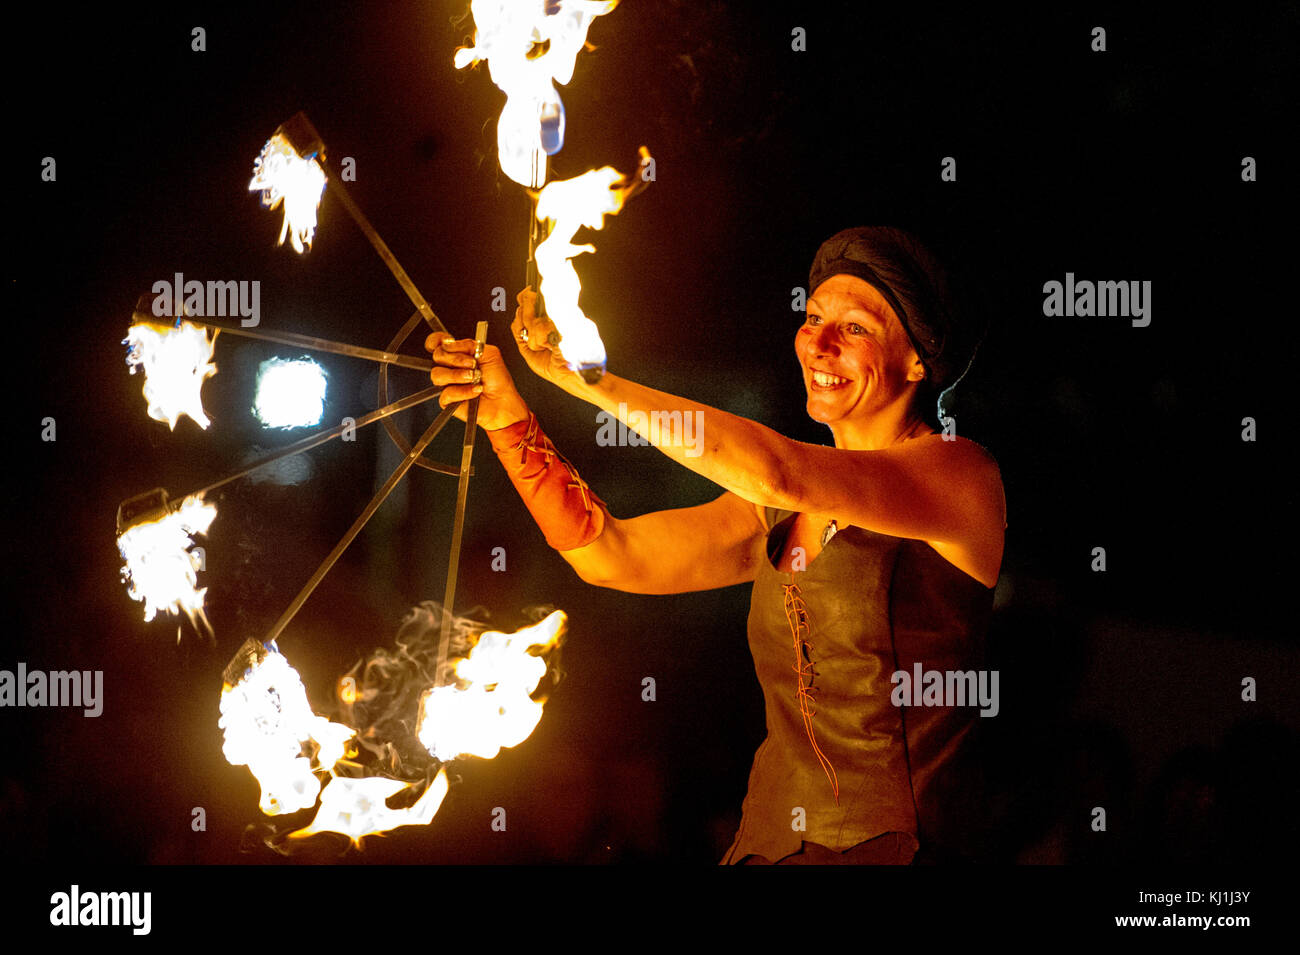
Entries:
{"x":814,"y":319}
{"x":857,"y":329}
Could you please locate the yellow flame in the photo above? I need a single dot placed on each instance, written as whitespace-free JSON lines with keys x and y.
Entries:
{"x":270,"y":727}
{"x":176,"y":362}
{"x":358,"y":807}
{"x":528,"y":52}
{"x":268,"y":724}
{"x":495,"y":710}
{"x":283,"y":176}
{"x":160,"y":568}
{"x":569,"y":205}
{"x":347,"y":688}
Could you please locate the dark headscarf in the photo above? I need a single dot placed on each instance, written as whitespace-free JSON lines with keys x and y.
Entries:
{"x":916,"y":287}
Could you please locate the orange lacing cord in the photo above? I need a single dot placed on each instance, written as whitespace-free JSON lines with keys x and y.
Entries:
{"x":529,"y":443}
{"x":796,"y":614}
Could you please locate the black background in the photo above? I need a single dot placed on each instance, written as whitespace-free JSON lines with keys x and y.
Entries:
{"x":1120,"y":689}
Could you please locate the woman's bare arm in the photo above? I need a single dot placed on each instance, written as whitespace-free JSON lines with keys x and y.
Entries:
{"x":946,"y":492}
{"x":675,"y":551}
{"x":672,"y":551}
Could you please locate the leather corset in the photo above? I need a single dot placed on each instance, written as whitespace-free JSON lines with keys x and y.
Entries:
{"x":873,"y":604}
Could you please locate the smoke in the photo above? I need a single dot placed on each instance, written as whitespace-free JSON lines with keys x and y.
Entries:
{"x":380,"y":695}
{"x":380,"y":698}
{"x":288,"y":471}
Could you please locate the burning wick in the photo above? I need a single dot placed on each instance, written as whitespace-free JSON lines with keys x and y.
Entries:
{"x":176,"y":359}
{"x":495,"y":709}
{"x":290,"y":393}
{"x":160,"y":568}
{"x":269,"y":725}
{"x":359,"y":807}
{"x":567,"y":206}
{"x":283,"y":176}
{"x":529,"y":47}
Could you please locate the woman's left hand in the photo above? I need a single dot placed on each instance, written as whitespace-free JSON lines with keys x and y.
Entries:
{"x":539,"y":343}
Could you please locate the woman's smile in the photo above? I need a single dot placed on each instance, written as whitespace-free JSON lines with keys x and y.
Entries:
{"x":825,"y":381}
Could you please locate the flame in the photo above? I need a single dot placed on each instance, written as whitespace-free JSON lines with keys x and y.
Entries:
{"x":160,"y":568}
{"x":282,"y":175}
{"x":495,"y":710}
{"x":358,"y":807}
{"x":270,"y":727}
{"x":290,"y":393}
{"x":529,"y":46}
{"x":568,"y":205}
{"x":176,"y":359}
{"x":268,"y":722}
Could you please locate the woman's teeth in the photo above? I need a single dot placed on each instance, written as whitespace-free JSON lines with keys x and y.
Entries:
{"x":823,"y":380}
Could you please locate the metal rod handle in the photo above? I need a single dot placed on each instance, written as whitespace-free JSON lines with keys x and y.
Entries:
{"x":380,"y":496}
{"x":385,"y":253}
{"x":458,"y":521}
{"x":306,"y":341}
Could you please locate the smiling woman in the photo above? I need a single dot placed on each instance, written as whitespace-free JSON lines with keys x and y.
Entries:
{"x":872,"y":557}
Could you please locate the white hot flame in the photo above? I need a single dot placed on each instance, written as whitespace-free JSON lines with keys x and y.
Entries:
{"x":528,"y":51}
{"x":358,"y":807}
{"x":290,"y":393}
{"x":160,"y":569}
{"x":270,"y":727}
{"x":495,"y":710}
{"x":569,"y":205}
{"x":176,"y":361}
{"x":283,"y":176}
{"x":267,"y":721}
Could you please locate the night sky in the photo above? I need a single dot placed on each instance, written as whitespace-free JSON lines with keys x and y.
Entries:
{"x":1120,"y":688}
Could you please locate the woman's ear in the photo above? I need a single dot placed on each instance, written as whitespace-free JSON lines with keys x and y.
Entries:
{"x":916,"y":371}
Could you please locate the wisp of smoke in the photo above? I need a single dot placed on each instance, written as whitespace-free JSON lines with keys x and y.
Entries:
{"x":380,"y":696}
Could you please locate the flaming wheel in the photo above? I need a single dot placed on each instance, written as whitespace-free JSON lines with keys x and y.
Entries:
{"x":488,"y":704}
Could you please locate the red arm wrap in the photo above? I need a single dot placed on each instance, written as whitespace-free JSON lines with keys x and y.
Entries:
{"x":567,"y":511}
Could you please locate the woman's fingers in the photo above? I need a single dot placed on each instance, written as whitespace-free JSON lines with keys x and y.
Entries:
{"x":538,"y":332}
{"x":455,"y":376}
{"x":454,"y":365}
{"x":456,"y":352}
{"x":454,"y":394}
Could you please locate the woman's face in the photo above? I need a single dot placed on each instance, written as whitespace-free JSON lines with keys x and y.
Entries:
{"x":856,"y":357}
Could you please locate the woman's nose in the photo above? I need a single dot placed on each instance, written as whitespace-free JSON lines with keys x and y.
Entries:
{"x":824,"y":340}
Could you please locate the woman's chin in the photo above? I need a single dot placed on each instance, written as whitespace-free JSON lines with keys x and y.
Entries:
{"x":823,"y":411}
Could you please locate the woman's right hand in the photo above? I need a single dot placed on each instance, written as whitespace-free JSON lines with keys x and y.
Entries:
{"x":487,"y":378}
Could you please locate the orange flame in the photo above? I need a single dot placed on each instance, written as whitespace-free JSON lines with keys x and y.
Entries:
{"x":495,"y":709}
{"x":359,"y":807}
{"x":568,"y":205}
{"x":270,"y":727}
{"x":528,"y":51}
